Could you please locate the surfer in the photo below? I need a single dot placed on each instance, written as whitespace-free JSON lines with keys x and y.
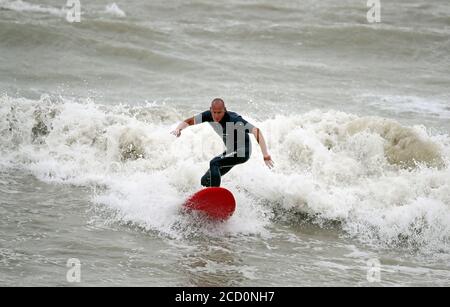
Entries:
{"x":234,"y":131}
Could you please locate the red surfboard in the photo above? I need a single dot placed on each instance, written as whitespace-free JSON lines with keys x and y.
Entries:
{"x":215,"y":202}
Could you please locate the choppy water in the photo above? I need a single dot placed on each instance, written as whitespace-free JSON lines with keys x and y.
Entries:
{"x":356,"y":116}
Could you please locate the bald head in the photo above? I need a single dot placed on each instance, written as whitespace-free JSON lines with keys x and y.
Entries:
{"x":218,"y":109}
{"x":217,"y":102}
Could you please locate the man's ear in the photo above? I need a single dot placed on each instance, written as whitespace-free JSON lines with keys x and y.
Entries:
{"x":225,"y":110}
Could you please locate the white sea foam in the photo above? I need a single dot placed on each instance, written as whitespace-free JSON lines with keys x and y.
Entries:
{"x":114,"y":9}
{"x":410,"y":104}
{"x":23,"y":6}
{"x":384,"y":183}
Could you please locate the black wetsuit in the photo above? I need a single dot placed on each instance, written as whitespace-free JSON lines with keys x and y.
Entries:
{"x":234,"y":131}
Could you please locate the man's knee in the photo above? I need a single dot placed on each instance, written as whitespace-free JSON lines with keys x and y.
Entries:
{"x":214,"y":162}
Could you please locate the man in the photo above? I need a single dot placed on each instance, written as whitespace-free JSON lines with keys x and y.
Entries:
{"x":234,"y":131}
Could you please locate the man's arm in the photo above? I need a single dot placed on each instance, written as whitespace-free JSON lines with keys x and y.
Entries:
{"x":262,"y":143}
{"x":183,"y":125}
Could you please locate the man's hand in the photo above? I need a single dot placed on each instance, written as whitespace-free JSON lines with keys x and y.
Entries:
{"x":183,"y":125}
{"x":176,"y":132}
{"x":268,"y":161}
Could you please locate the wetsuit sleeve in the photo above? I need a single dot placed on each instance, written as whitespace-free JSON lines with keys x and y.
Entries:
{"x":203,"y":117}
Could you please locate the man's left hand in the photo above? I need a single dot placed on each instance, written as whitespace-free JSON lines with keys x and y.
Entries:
{"x":268,"y":161}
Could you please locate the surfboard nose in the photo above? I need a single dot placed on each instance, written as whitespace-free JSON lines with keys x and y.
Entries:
{"x":217,"y":203}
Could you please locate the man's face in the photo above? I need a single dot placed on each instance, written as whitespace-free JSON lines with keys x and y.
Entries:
{"x":218,"y":112}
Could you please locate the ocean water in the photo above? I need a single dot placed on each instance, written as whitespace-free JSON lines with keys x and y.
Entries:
{"x":356,"y":115}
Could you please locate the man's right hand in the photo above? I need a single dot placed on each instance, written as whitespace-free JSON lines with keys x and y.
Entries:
{"x":188,"y":122}
{"x":176,"y":132}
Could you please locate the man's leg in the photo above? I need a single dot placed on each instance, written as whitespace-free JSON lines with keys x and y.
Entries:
{"x":220,"y":166}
